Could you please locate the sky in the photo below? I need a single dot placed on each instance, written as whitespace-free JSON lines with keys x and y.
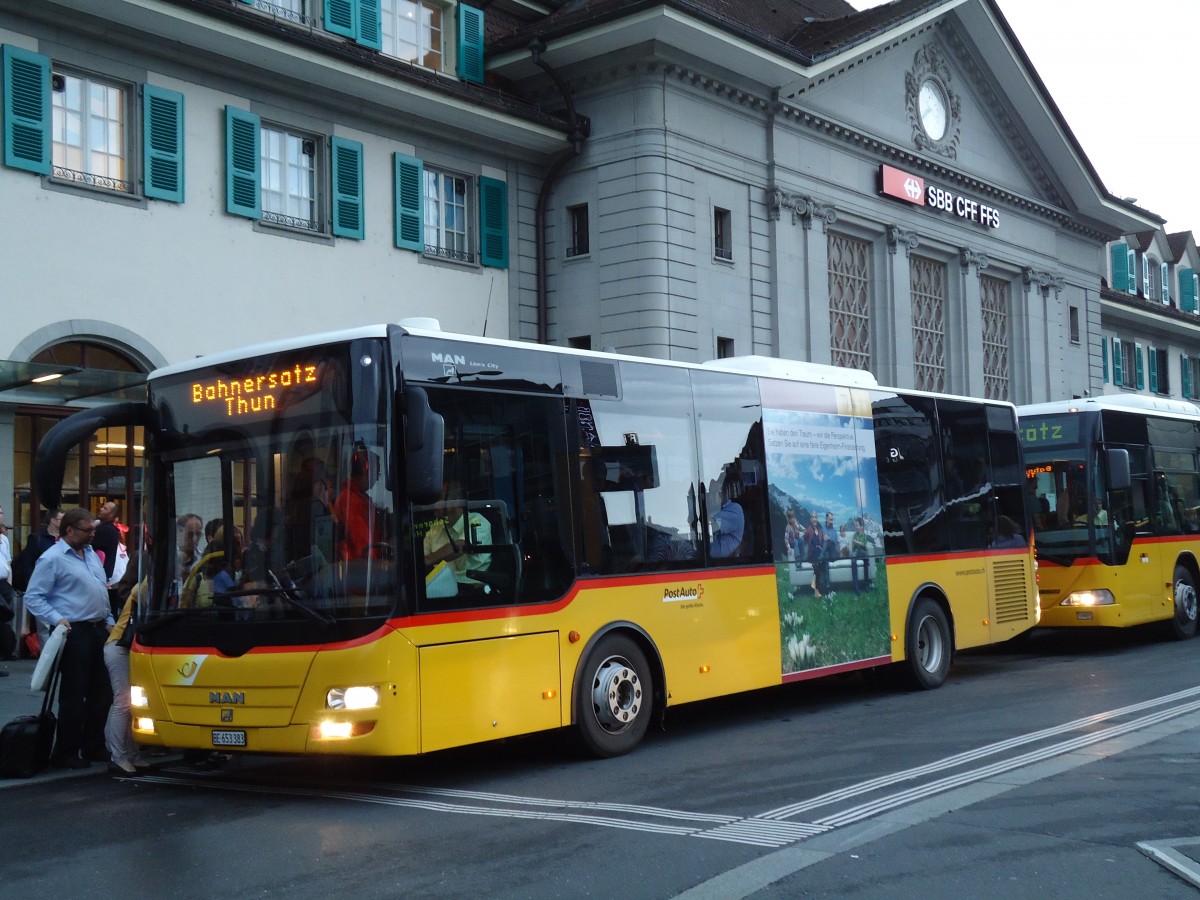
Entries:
{"x":1104,"y":60}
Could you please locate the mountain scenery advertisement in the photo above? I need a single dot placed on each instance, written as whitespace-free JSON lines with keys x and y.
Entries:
{"x":826,"y":533}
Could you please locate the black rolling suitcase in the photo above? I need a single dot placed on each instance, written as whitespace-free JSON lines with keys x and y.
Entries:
{"x":25,"y":742}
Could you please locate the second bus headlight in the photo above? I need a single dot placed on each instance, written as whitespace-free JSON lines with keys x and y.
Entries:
{"x":137,"y":697}
{"x":1090,"y":598}
{"x":358,"y":697}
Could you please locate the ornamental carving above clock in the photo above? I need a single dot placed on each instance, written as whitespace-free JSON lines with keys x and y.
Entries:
{"x":934,"y":110}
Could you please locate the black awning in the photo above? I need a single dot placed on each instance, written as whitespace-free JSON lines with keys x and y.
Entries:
{"x":51,"y":384}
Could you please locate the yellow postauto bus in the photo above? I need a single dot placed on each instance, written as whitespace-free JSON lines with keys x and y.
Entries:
{"x":1114,"y":488}
{"x":424,"y":540}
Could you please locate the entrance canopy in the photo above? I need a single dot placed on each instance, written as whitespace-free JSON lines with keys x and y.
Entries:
{"x":51,"y":384}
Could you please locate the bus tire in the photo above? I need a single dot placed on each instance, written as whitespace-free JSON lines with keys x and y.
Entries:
{"x":1183,"y":622}
{"x":927,"y":646}
{"x":614,"y":697}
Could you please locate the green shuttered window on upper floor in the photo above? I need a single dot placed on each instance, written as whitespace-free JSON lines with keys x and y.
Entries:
{"x":90,"y":157}
{"x":296,"y":177}
{"x":418,"y":187}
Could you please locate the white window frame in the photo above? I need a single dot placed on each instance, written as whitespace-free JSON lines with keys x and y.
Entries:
{"x":292,"y":187}
{"x":395,"y":14}
{"x":450,"y":230}
{"x":78,"y":161}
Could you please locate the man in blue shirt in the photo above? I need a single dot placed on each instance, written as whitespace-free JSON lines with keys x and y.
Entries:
{"x":68,"y":587}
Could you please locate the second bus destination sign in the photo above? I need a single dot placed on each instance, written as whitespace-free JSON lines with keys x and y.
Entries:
{"x":912,"y":189}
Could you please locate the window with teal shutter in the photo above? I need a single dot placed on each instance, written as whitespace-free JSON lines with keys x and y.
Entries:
{"x":470,"y":43}
{"x":1131,"y":263}
{"x":370,"y":24}
{"x":242,"y":197}
{"x":1185,"y":376}
{"x":493,"y":223}
{"x":1118,"y":362}
{"x":1145,"y":276}
{"x":1187,"y":290}
{"x":1165,"y":277}
{"x":1120,"y":266}
{"x":27,"y":123}
{"x":341,"y":17}
{"x":1153,"y":359}
{"x":162,"y":153}
{"x":1139,"y":367}
{"x":409,"y":175}
{"x":348,"y":213}
{"x":359,"y":20}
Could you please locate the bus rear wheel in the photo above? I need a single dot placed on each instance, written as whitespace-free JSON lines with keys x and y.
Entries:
{"x":1183,"y":623}
{"x":615,"y":697}
{"x":927,"y":646}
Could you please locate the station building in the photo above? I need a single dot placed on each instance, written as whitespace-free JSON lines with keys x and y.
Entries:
{"x":891,"y":190}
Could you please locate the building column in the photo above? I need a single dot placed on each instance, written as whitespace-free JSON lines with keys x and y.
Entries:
{"x":893,"y":335}
{"x":1044,"y":363}
{"x":966,"y":322}
{"x":803,"y":324}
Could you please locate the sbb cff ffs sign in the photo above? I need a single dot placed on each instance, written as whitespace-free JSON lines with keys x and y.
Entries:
{"x":912,"y":189}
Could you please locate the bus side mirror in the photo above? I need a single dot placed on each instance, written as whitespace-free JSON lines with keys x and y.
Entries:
{"x":1118,"y":469}
{"x":424,"y":433}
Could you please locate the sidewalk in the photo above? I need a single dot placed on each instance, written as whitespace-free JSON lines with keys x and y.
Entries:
{"x":16,"y":699}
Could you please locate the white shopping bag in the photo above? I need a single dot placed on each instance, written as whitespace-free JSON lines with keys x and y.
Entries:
{"x":48,"y":659}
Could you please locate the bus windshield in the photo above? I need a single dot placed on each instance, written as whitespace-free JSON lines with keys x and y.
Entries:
{"x":272,"y":493}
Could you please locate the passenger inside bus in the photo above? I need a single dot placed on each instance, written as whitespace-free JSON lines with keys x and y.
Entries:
{"x":355,"y":511}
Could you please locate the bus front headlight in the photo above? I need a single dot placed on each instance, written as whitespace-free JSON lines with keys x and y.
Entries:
{"x":357,"y":697}
{"x":1090,"y":598}
{"x":137,"y":697}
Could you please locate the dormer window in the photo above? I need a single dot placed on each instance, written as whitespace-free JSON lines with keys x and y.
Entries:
{"x":413,"y":32}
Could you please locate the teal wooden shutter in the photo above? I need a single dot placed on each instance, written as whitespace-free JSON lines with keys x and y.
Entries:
{"x":243,"y":134}
{"x":1104,"y":357}
{"x":1152,"y":354}
{"x":1120,"y":266}
{"x":27,"y":124}
{"x":493,"y":223}
{"x":409,"y":191}
{"x":340,"y":17}
{"x":1185,"y":376}
{"x":162,"y":152}
{"x":1131,"y":261}
{"x":1118,"y":362}
{"x":470,"y":43}
{"x":1139,"y":366}
{"x":348,"y":212}
{"x":370,"y":24}
{"x":1187,"y":290}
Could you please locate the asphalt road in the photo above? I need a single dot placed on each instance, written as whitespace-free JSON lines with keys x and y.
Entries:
{"x":1036,"y":771}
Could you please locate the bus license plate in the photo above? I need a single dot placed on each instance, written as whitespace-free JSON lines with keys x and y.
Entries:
{"x":229,"y":738}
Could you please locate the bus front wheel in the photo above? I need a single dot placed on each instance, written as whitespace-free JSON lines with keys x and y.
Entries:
{"x":927,"y":645}
{"x":1183,"y":622}
{"x":615,"y":697}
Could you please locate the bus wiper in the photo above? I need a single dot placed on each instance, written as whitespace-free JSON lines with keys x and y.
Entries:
{"x":288,"y":592}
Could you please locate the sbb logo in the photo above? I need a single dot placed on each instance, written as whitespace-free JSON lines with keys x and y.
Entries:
{"x":912,"y":187}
